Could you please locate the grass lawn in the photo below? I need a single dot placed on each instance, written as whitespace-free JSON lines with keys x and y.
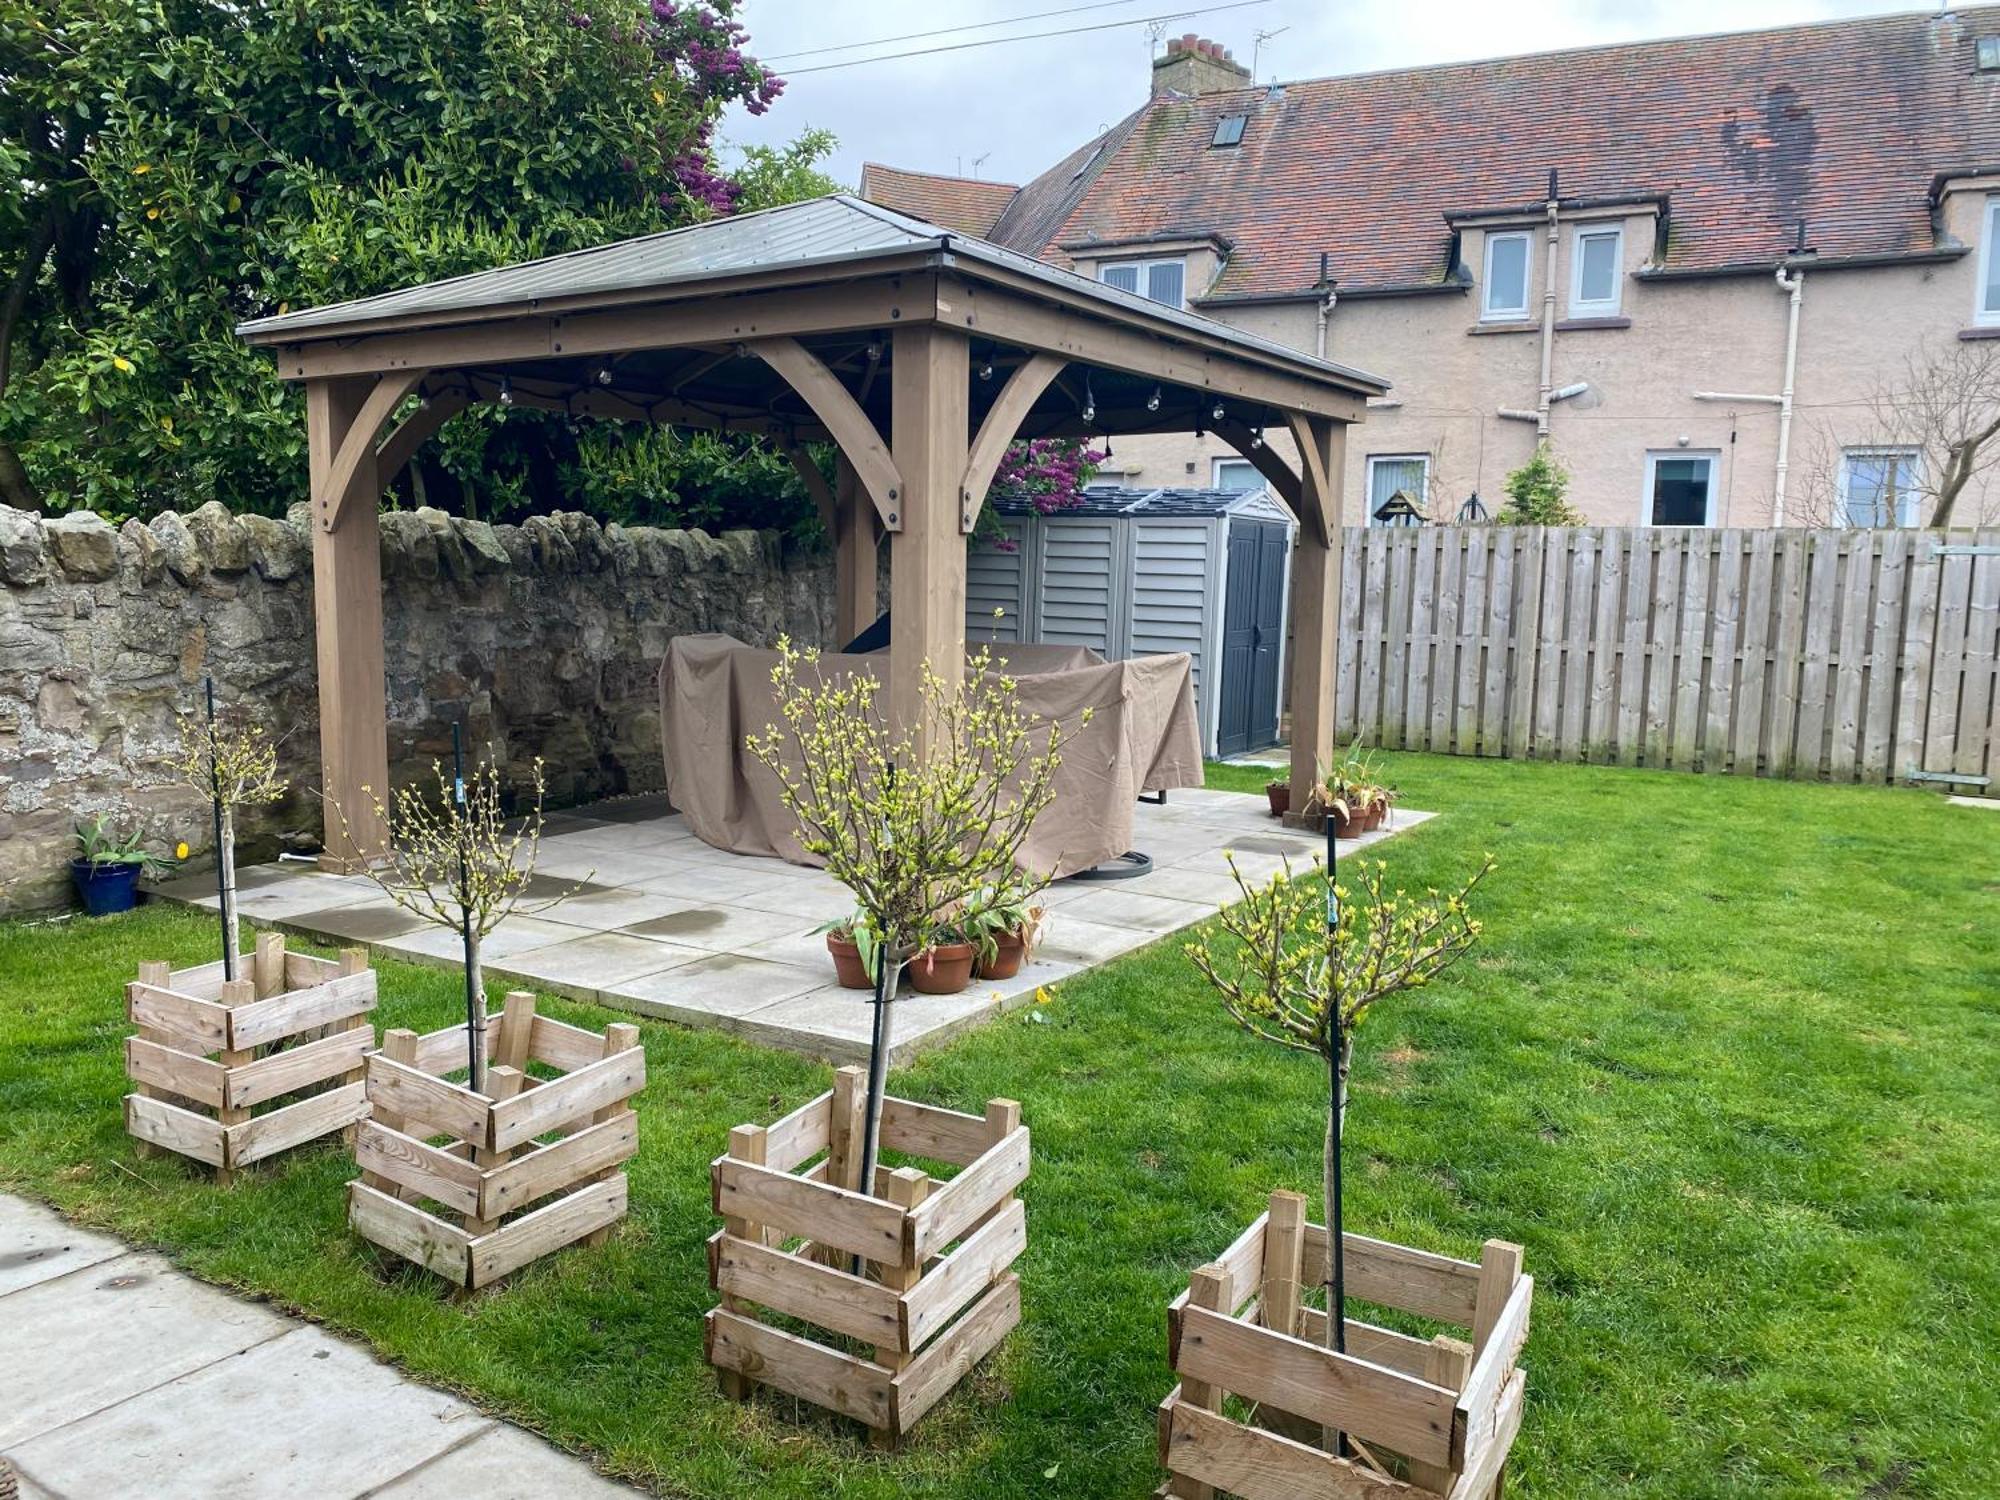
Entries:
{"x":1728,"y":1065}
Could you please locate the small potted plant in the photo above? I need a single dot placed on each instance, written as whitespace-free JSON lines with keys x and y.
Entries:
{"x":854,"y":947}
{"x":944,"y":967}
{"x":1280,"y":795}
{"x":107,"y":868}
{"x":1002,"y":921}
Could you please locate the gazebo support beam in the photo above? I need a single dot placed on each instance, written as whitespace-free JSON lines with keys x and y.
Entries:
{"x":857,"y":549}
{"x":930,"y":416}
{"x":1315,"y":599}
{"x":347,"y":621}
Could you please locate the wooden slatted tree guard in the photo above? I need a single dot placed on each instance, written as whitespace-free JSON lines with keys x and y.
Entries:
{"x":1436,"y":1417}
{"x":474,"y":1186}
{"x":938,"y":1295}
{"x":229,"y":1072}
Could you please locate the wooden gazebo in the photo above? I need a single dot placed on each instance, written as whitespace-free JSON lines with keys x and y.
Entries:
{"x":919,"y":353}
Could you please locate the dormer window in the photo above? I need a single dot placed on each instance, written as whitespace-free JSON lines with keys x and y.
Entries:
{"x":1987,"y":310}
{"x":1162,"y":280}
{"x":1595,"y":272}
{"x":1504,"y":293}
{"x":1229,"y":131}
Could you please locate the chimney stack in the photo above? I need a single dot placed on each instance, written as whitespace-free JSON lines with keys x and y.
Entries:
{"x":1194,"y":65}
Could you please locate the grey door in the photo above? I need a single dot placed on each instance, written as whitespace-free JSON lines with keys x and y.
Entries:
{"x":1252,"y":631}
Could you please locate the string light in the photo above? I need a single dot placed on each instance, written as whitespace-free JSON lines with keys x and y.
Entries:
{"x":506,"y":392}
{"x":1257,"y":437}
{"x":1153,"y":401}
{"x":604,"y":374}
{"x":1089,"y":402}
{"x":874,"y":352}
{"x":1216,"y":413}
{"x":986,"y":370}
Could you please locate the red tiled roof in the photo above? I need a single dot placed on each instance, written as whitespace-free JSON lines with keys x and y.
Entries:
{"x":1842,"y":125}
{"x":961,"y":203}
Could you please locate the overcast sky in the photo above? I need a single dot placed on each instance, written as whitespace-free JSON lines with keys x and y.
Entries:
{"x":1007,"y":111}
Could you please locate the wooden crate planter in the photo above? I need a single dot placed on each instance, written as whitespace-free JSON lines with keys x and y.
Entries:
{"x":474,"y":1186}
{"x":1437,"y":1416}
{"x":939,"y":1295}
{"x":229,"y":1072}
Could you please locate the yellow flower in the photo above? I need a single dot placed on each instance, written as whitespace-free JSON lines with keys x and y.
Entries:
{"x":181,"y":850}
{"x":1042,"y":995}
{"x":152,"y":213}
{"x":142,"y":169}
{"x":121,"y":364}
{"x":658,"y":97}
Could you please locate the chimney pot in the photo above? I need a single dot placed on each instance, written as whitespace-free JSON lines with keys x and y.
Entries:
{"x":1195,"y":65}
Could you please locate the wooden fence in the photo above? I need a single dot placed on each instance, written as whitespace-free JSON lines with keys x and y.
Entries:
{"x":1851,"y":655}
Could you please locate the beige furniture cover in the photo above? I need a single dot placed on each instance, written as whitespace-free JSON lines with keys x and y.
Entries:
{"x":1142,"y":737}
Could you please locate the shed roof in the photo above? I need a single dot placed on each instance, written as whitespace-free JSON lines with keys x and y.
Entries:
{"x":1118,"y":500}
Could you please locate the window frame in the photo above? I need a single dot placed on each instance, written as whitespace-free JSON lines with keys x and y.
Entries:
{"x":1487,"y":312}
{"x":1584,"y":307}
{"x":1143,"y":274}
{"x":1369,"y":504}
{"x":1915,"y":496}
{"x":1982,"y":315}
{"x":1713,"y":456}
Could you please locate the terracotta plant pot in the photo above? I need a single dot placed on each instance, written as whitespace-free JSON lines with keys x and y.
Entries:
{"x":1280,"y":793}
{"x":1378,"y":815}
{"x":847,"y":964}
{"x":1348,"y":828}
{"x":943,"y":970}
{"x":1010,"y":952}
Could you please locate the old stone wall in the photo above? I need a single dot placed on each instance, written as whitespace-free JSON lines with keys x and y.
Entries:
{"x":544,"y":639}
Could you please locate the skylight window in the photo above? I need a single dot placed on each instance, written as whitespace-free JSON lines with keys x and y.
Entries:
{"x":1228,"y":131}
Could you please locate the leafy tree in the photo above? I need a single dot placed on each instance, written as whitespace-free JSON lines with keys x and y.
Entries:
{"x":1538,"y":493}
{"x":171,"y":167}
{"x":770,"y":175}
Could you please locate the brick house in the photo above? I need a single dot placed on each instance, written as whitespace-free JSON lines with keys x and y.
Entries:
{"x":1702,"y":267}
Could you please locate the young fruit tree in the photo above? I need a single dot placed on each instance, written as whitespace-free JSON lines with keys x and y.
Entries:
{"x":914,"y":819}
{"x":1294,"y":979}
{"x":453,"y":860}
{"x":233,"y":763}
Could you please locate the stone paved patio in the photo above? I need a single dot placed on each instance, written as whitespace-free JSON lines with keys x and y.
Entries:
{"x":668,"y":927}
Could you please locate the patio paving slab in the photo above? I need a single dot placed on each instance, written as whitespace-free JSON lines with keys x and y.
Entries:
{"x":37,"y":1246}
{"x":113,"y":1329}
{"x":501,"y":1463}
{"x":670,"y":927}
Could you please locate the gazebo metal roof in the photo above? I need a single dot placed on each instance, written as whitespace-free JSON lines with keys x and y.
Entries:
{"x":818,"y":236}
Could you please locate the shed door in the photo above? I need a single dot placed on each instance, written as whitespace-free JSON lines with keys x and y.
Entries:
{"x":1252,"y":631}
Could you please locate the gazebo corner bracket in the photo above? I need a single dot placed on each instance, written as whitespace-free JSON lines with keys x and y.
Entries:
{"x":843,"y":418}
{"x":335,"y":490}
{"x":1010,"y":408}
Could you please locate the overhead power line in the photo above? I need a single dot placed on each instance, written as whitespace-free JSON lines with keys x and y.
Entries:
{"x":921,"y":36}
{"x":1031,"y":36}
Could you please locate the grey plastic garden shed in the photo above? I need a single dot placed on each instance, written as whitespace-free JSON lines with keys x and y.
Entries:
{"x":1129,"y":572}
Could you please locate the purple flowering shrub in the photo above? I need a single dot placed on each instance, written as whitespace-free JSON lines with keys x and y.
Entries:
{"x":1049,"y":473}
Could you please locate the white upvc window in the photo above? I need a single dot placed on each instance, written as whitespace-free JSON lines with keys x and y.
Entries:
{"x":1392,"y":474}
{"x":1879,"y":487}
{"x":1596,"y":271}
{"x":1987,"y":308}
{"x":1162,"y":280}
{"x":1680,"y":488}
{"x":1237,"y":474}
{"x":1504,"y":290}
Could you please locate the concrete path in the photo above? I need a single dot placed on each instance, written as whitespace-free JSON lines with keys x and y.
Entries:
{"x":123,"y":1379}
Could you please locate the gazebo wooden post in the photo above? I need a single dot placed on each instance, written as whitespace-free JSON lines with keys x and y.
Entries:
{"x":347,"y":619}
{"x":1315,"y":598}
{"x":857,"y":539}
{"x":930,"y":414}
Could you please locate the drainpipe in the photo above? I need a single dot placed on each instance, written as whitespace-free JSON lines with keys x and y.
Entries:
{"x":1544,"y":397}
{"x":1793,"y":284}
{"x":1325,"y":308}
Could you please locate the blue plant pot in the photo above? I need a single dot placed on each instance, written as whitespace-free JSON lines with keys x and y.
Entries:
{"x":105,"y":888}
